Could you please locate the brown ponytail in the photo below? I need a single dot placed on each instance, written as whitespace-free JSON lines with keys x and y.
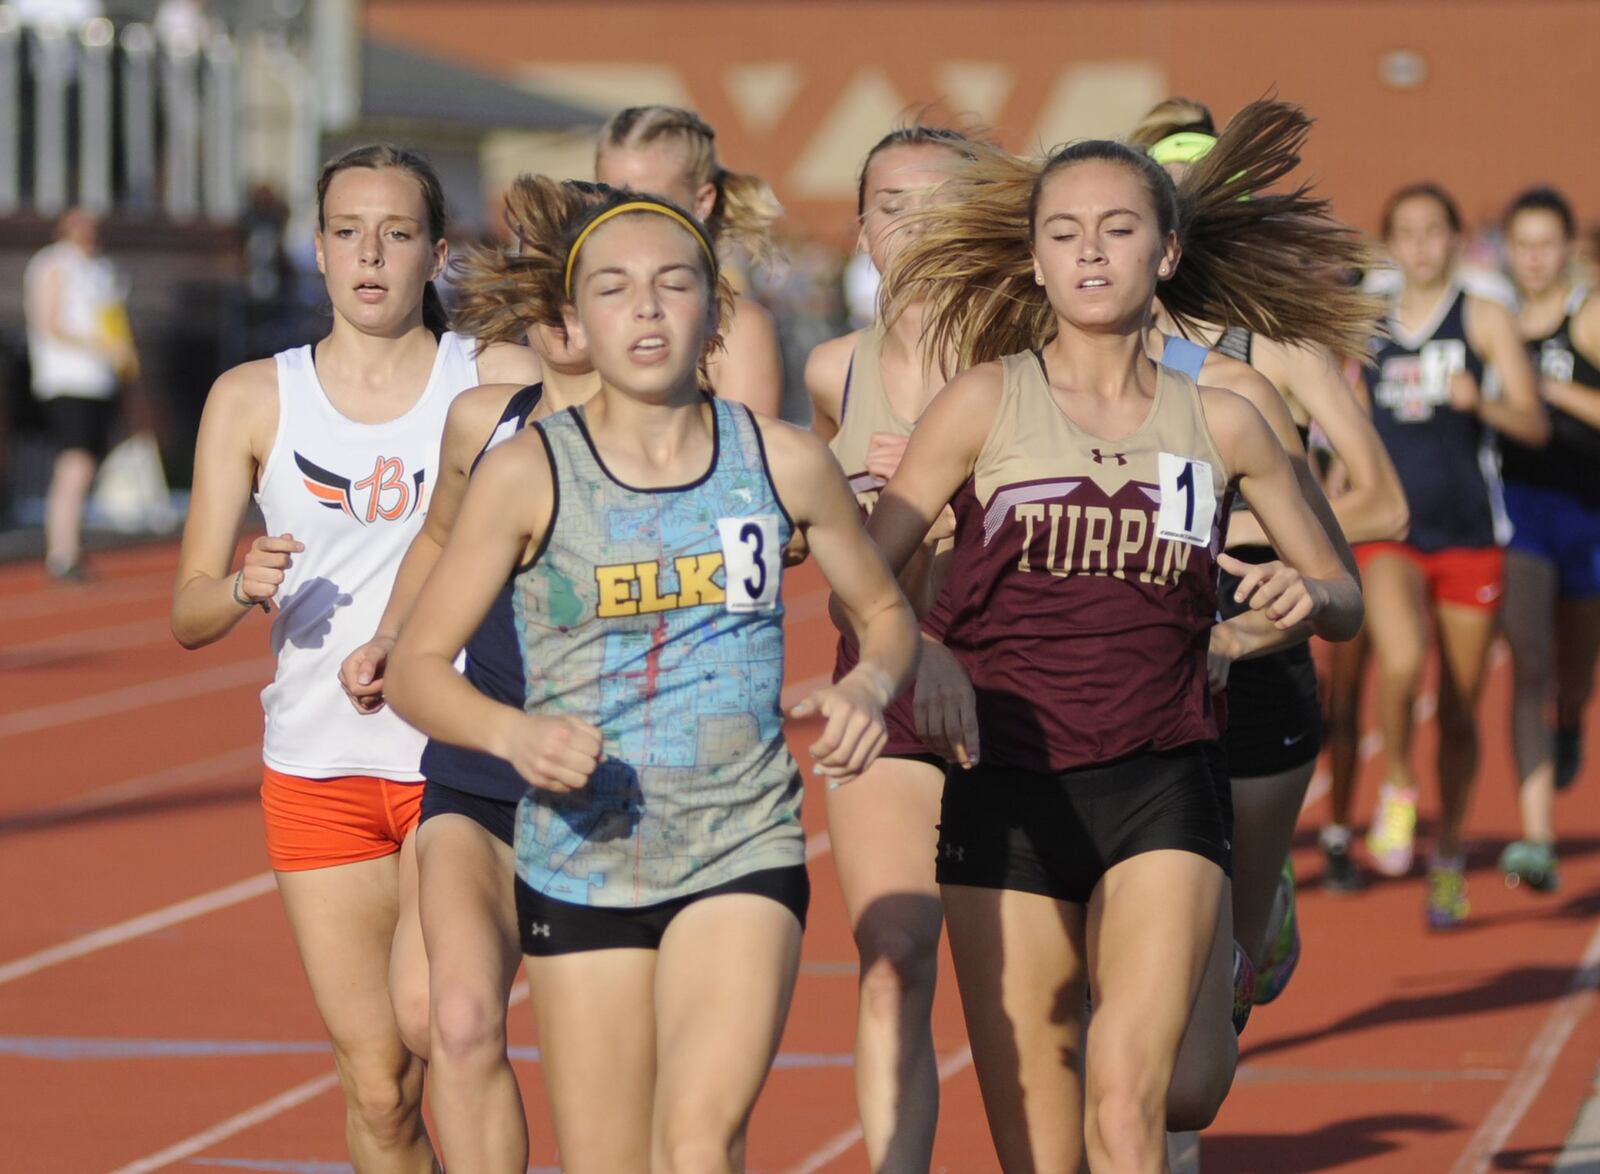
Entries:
{"x":505,"y":292}
{"x":1251,"y":258}
{"x":746,"y":208}
{"x":1173,"y":116}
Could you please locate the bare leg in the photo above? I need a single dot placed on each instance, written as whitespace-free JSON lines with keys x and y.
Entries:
{"x":884,"y":831}
{"x":1529,"y":621}
{"x":70,"y":482}
{"x":1464,"y":637}
{"x":343,"y":921}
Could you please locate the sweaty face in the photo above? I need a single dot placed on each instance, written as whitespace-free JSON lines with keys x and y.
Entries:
{"x":1098,"y":245}
{"x":1537,"y":250}
{"x":661,"y":169}
{"x":1421,"y":240}
{"x":899,"y":180}
{"x":374,"y":249}
{"x":641,"y":305}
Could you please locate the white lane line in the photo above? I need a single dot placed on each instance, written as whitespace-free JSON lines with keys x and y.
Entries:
{"x":55,"y":600}
{"x":1536,"y":1066}
{"x":34,"y":653}
{"x":818,"y":845}
{"x":845,"y":1140}
{"x":138,"y":927}
{"x":266,"y":1110}
{"x":1582,"y":1151}
{"x":170,"y":779}
{"x":81,"y":709}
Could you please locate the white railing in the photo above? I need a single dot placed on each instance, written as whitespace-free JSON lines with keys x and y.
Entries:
{"x":170,"y":111}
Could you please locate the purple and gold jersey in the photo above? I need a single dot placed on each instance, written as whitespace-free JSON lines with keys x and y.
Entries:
{"x":1084,"y":582}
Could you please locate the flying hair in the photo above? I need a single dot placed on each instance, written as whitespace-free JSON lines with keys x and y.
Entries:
{"x":1252,"y":257}
{"x":746,"y":209}
{"x":507,"y":291}
{"x":1170,"y":117}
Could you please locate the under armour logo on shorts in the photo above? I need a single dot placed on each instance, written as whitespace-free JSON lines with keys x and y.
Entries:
{"x":538,"y":930}
{"x":954,"y":852}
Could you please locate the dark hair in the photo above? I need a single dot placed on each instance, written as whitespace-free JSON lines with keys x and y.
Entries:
{"x":1170,"y":117}
{"x":505,"y":291}
{"x":1252,"y":257}
{"x":746,"y":207}
{"x":915,"y":135}
{"x":1425,"y":189}
{"x":376,"y":157}
{"x":1544,"y":199}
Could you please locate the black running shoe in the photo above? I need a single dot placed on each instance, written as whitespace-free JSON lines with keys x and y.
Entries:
{"x":1340,"y":874}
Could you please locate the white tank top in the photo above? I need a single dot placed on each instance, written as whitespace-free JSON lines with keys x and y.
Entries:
{"x":356,"y":495}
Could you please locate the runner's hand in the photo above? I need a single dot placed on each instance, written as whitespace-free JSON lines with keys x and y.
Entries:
{"x":552,"y":753}
{"x":1279,"y":591}
{"x":264,"y":566}
{"x":946,"y":707}
{"x":884,"y":450}
{"x":361,"y":674}
{"x":854,"y":734}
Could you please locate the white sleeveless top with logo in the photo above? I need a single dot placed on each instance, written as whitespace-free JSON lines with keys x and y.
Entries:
{"x":355,"y":495}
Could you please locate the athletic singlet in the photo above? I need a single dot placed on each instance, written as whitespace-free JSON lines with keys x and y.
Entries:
{"x":864,"y":410}
{"x":494,"y":664}
{"x":356,"y":495}
{"x":1571,"y":461}
{"x":1445,"y":458}
{"x":1085,"y":577}
{"x":656,"y":615}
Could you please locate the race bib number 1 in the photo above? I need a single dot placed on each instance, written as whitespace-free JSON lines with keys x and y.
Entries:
{"x":1188,"y":501}
{"x":752,"y":560}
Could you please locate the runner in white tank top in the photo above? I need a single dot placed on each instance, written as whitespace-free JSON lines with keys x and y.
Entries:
{"x":356,"y":495}
{"x":340,"y":443}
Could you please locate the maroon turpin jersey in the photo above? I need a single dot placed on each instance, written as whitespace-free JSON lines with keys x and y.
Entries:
{"x":1084,"y":581}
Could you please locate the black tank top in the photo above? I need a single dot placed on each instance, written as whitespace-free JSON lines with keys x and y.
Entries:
{"x":1571,"y":461}
{"x":494,"y":664}
{"x":1445,"y":457}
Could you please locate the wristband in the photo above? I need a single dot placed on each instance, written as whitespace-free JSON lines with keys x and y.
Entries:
{"x":245,"y":600}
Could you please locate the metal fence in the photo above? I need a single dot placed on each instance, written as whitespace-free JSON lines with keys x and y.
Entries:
{"x":115,"y":118}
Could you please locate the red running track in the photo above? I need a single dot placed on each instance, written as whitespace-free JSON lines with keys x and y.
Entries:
{"x":153,"y":1015}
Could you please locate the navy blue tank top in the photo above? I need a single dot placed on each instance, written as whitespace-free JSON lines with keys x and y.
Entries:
{"x":494,"y":662}
{"x":1446,"y":458}
{"x":1571,"y":461}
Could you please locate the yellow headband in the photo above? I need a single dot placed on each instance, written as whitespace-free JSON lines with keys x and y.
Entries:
{"x":1187,"y":146}
{"x":637,"y":206}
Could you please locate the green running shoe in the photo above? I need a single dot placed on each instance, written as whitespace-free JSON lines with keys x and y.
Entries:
{"x":1527,"y":862}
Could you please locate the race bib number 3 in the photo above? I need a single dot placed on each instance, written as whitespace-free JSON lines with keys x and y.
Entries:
{"x":1188,"y":501}
{"x":752,"y":560}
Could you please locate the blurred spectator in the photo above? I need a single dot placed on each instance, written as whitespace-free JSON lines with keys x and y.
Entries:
{"x":861,"y":280}
{"x":80,"y":348}
{"x":182,"y":24}
{"x":62,"y":13}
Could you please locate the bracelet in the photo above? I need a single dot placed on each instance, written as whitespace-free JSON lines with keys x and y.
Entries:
{"x":241,"y":600}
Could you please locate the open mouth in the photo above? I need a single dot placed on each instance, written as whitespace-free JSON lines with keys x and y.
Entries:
{"x":649,"y":348}
{"x":371,"y":291}
{"x":1094,"y":283}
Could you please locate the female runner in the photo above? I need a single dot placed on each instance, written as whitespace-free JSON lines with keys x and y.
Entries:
{"x":1273,"y":733}
{"x":867,"y":390}
{"x":661,"y":878}
{"x":1552,"y":613}
{"x":1088,"y":481}
{"x":672,"y":152}
{"x":1430,"y":409}
{"x":453,"y":1009}
{"x":340,"y":443}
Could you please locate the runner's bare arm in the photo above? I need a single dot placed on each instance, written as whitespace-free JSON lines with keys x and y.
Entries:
{"x":236,"y":435}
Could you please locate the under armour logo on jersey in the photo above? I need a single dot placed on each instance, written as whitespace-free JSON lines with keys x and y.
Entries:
{"x":538,"y":929}
{"x":385,"y":494}
{"x":1101,"y":458}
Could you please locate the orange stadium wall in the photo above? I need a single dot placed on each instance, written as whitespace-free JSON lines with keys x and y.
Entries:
{"x":1482,"y":96}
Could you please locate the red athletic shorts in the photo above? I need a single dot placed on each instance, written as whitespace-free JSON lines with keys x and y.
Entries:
{"x":320,"y":823}
{"x":1462,"y":575}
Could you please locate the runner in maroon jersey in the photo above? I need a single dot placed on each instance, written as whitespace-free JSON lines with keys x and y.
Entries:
{"x":1090,"y":486}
